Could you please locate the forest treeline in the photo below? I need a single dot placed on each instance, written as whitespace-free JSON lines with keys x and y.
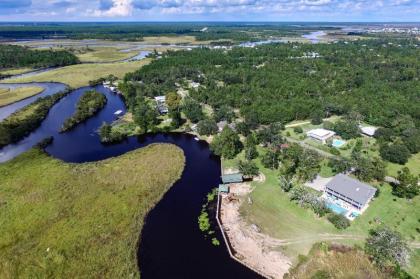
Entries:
{"x":373,"y":81}
{"x":12,"y":56}
{"x":275,"y":84}
{"x":136,"y":31}
{"x":90,"y":103}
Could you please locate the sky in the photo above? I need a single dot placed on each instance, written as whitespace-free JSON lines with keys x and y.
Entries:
{"x":211,"y":10}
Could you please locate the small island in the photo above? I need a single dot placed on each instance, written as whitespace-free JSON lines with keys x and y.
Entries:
{"x":89,"y":104}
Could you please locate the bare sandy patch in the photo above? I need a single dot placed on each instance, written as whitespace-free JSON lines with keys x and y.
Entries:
{"x":251,"y":246}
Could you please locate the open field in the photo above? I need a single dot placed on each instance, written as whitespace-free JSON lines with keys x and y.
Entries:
{"x":273,"y":212}
{"x":105,"y":54}
{"x":8,"y":96}
{"x":80,"y":75}
{"x":64,"y":220}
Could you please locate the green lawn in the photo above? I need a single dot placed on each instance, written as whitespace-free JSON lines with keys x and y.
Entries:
{"x":326,"y":170}
{"x":277,"y":216}
{"x":413,"y":164}
{"x":60,"y":220}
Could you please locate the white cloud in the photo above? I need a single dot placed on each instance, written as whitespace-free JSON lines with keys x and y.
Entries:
{"x":234,"y":10}
{"x":120,"y":8}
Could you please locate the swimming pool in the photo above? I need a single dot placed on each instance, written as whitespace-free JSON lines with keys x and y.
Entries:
{"x":338,"y":143}
{"x":336,"y":208}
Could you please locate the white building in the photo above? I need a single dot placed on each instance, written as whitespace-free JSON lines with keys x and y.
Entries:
{"x":320,"y":134}
{"x":368,"y":130}
{"x":161,"y":104}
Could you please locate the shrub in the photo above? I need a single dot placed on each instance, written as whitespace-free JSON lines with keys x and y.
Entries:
{"x":347,"y":129}
{"x":387,"y":247}
{"x":334,"y":151}
{"x":328,"y":125}
{"x":298,"y":130}
{"x":227,"y":144}
{"x":270,"y":160}
{"x":207,"y":127}
{"x":395,"y":153}
{"x":248,"y":168}
{"x":338,"y":220}
{"x":320,"y":208}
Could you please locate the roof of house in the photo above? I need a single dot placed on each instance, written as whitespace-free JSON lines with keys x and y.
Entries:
{"x":160,"y":98}
{"x":321,"y":133}
{"x":351,"y":188}
{"x":232,"y":178}
{"x":368,"y":130}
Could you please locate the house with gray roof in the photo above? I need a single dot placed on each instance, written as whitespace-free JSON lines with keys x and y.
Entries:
{"x":355,"y":193}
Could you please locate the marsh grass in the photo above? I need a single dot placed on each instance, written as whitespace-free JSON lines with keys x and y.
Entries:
{"x":62,"y":220}
{"x":79,"y":75}
{"x":105,"y":54}
{"x":335,"y":262}
{"x":9,"y":96}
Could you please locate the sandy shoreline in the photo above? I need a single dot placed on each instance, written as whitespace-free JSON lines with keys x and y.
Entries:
{"x":250,"y":246}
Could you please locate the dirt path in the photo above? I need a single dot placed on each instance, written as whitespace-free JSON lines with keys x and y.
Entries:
{"x":317,"y":238}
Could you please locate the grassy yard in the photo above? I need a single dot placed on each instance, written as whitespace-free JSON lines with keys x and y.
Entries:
{"x":105,"y":54}
{"x":62,"y":220}
{"x":8,"y":96}
{"x":277,"y":216}
{"x":413,"y":164}
{"x":80,"y":75}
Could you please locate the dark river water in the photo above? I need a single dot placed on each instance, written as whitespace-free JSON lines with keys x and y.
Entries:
{"x":171,"y":246}
{"x":50,"y":88}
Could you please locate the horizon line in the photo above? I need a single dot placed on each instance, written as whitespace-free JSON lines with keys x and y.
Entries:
{"x":199,"y":21}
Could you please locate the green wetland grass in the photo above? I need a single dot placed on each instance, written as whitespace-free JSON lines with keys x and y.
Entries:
{"x":61,"y":220}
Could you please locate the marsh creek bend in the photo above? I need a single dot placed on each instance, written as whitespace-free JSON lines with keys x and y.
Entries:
{"x":171,"y":244}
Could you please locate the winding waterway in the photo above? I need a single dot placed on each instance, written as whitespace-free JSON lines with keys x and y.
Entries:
{"x":50,"y":88}
{"x":171,"y":245}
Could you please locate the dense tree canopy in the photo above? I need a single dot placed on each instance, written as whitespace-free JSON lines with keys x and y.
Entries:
{"x":377,"y":82}
{"x":226,"y":144}
{"x":16,"y":56}
{"x":89,"y":103}
{"x":370,"y":81}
